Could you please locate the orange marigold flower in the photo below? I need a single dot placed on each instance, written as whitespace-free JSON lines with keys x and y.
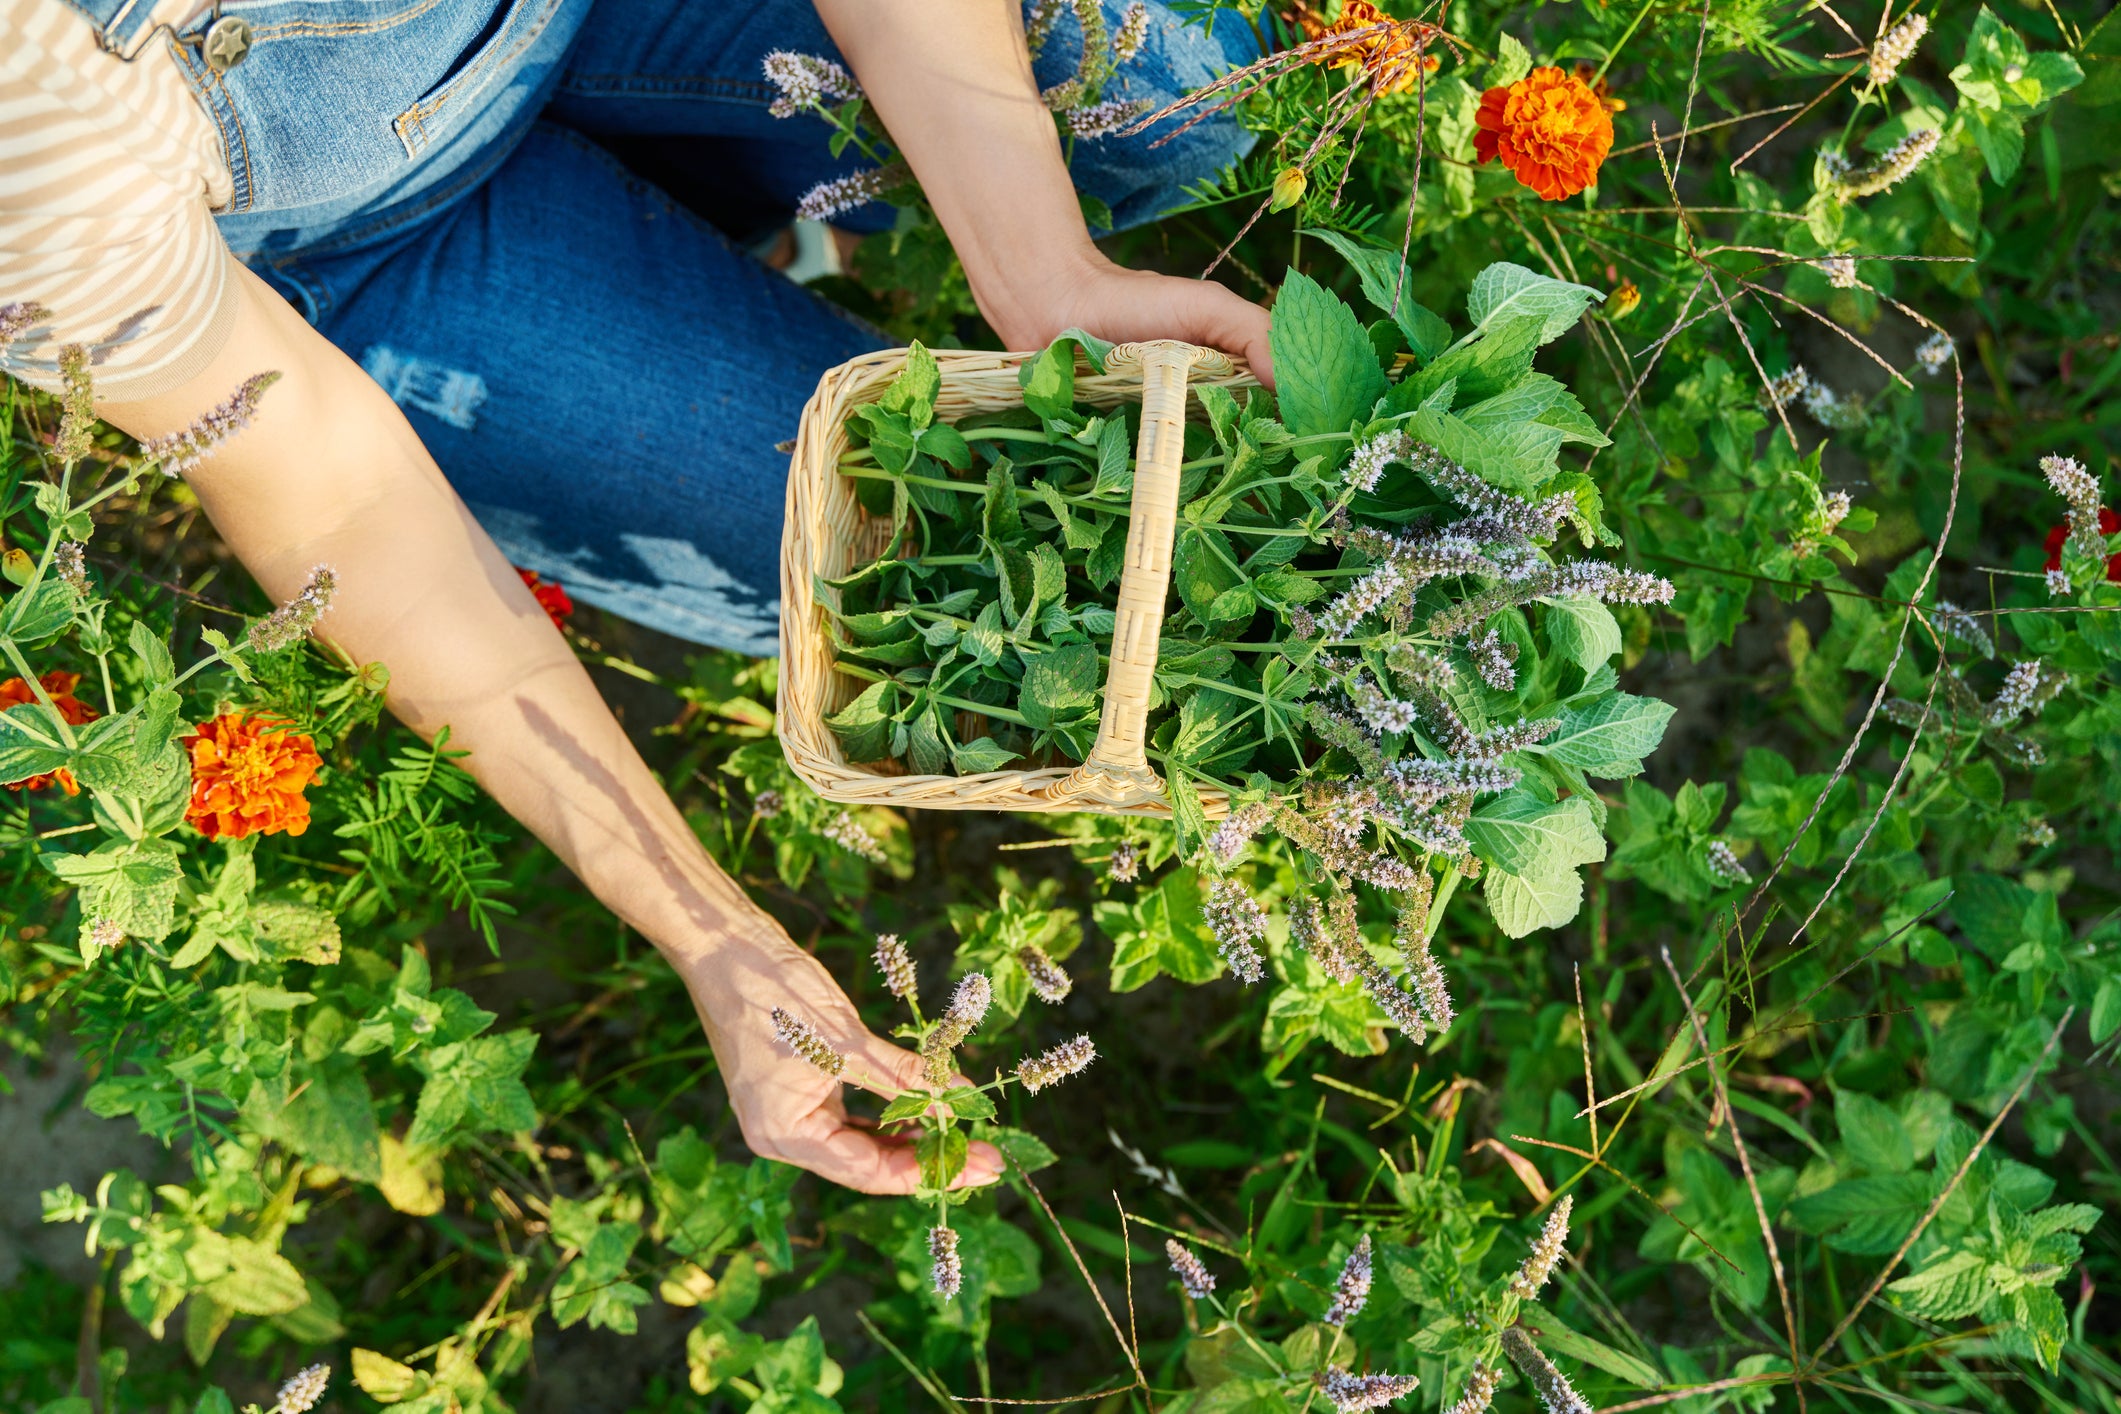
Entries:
{"x":60,"y":688}
{"x":1548,"y":128}
{"x":550,"y":596}
{"x":1382,"y":55}
{"x":247,"y":777}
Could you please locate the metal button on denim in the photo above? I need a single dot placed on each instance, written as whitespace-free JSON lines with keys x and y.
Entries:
{"x":227,"y":42}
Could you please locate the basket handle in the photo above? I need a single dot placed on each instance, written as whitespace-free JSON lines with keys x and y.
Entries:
{"x":1117,"y":770}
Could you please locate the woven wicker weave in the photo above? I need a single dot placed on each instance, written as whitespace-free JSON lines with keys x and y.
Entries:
{"x":829,"y":536}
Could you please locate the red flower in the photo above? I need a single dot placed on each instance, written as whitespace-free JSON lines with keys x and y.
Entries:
{"x":60,"y":688}
{"x":2109,"y":522}
{"x":550,"y":596}
{"x":247,"y":777}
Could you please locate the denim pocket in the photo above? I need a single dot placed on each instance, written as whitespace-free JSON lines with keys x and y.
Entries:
{"x":439,"y":110}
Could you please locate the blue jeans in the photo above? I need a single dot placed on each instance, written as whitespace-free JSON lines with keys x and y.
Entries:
{"x":602,"y":375}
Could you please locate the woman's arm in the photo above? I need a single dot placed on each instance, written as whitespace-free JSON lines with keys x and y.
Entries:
{"x":331,"y":473}
{"x":952,"y":81}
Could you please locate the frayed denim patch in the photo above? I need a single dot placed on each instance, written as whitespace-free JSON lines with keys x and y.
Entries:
{"x":450,"y":395}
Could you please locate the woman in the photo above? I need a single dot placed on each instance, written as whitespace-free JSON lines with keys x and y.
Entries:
{"x":497,"y":345}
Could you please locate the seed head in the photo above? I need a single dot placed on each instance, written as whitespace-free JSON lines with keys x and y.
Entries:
{"x":1553,"y":1388}
{"x":945,"y":1268}
{"x":291,"y":622}
{"x":1048,"y":981}
{"x":1896,"y":48}
{"x":1066,"y":1059}
{"x":801,"y":1037}
{"x":1546,"y":1251}
{"x":1353,"y":1288}
{"x":1478,"y":1391}
{"x":303,"y":1390}
{"x":183,"y":450}
{"x":1351,"y":1393}
{"x":1193,"y":1277}
{"x":896,"y":964}
{"x":847,"y":832}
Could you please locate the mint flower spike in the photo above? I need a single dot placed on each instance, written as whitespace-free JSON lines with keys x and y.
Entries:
{"x":806,"y":81}
{"x":847,"y":832}
{"x":968,"y":1007}
{"x":1237,"y":920}
{"x":1478,"y":1392}
{"x":182,"y":451}
{"x":1934,"y":352}
{"x":16,"y":319}
{"x":946,"y":1270}
{"x":291,"y":622}
{"x":1133,"y":29}
{"x":2079,"y":489}
{"x":801,"y":1037}
{"x":1124,"y":865}
{"x":302,"y":1390}
{"x":829,"y":198}
{"x":69,"y":565}
{"x":1066,"y":1059}
{"x":1893,"y":166}
{"x":2019,"y":686}
{"x":1553,"y":1387}
{"x":1049,"y":982}
{"x":1092,"y":121}
{"x":1547,"y":1250}
{"x":1194,"y":1278}
{"x":77,"y":417}
{"x":1352,"y":1291}
{"x":896,"y":964}
{"x":1351,"y":1393}
{"x":1897,"y":48}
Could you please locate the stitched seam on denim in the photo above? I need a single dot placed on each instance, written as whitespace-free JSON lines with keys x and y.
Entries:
{"x":239,"y":183}
{"x":322,"y":29}
{"x":250,"y":187}
{"x":628,"y":82}
{"x":421,"y":111}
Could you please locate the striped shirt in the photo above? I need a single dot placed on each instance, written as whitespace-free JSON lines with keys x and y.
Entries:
{"x":109,"y":173}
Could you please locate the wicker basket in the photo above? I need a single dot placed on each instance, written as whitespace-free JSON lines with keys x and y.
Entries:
{"x":828,"y":536}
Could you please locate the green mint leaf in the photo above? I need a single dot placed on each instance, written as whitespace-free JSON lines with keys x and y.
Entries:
{"x":1512,"y":62}
{"x":1582,"y":629}
{"x":864,"y":725}
{"x":1608,"y":738}
{"x":1057,"y":682}
{"x":1425,"y":331}
{"x":1327,"y":373}
{"x":1504,"y":291}
{"x":979,"y":755}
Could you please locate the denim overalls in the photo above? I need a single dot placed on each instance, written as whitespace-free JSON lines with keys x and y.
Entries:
{"x":602,"y":374}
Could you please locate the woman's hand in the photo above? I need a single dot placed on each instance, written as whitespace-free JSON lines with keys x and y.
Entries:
{"x":788,"y":1108}
{"x":1113,"y":302}
{"x":953,"y":83}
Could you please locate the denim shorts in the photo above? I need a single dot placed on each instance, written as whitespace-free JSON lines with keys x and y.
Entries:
{"x":602,"y":374}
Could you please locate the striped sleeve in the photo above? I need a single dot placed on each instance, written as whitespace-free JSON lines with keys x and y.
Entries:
{"x":107,"y":169}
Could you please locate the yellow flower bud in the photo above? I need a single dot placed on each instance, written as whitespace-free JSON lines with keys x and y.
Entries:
{"x":1288,"y":189}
